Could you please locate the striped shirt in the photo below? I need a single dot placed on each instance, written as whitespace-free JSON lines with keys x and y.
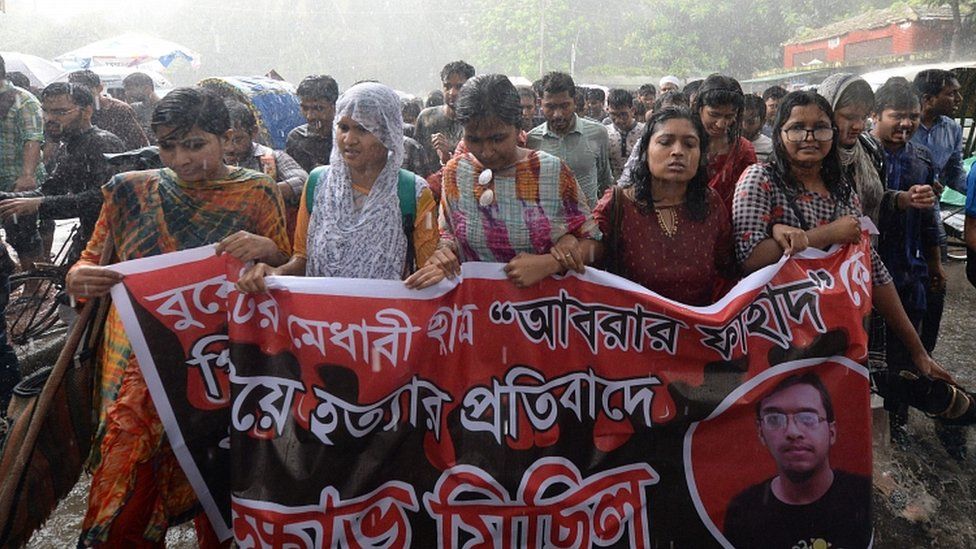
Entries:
{"x":23,"y":123}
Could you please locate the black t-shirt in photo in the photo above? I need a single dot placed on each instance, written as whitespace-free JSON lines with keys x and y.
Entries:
{"x":841,"y":519}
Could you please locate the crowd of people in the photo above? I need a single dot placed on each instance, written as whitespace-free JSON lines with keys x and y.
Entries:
{"x":683,"y":190}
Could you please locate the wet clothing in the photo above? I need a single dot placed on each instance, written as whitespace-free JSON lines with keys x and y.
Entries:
{"x":118,"y":118}
{"x":586,"y":149}
{"x":22,"y":123}
{"x":413,"y":155}
{"x":724,"y":169}
{"x":143,"y":111}
{"x":308,"y":149}
{"x":944,"y":142}
{"x":280,"y":167}
{"x":531,"y":209}
{"x":763,"y":146}
{"x":435,"y":120}
{"x":693,"y":266}
{"x":150,"y":213}
{"x":757,"y":519}
{"x":621,"y":143}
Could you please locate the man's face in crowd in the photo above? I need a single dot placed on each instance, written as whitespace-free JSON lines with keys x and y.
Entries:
{"x":137,"y":94}
{"x":772,"y":105}
{"x":947,"y":101}
{"x":752,"y":124}
{"x":800,"y":451}
{"x":238,"y":147}
{"x":669,"y":86}
{"x":648,"y":100}
{"x":559,"y":109}
{"x":528,"y":111}
{"x":895,"y":127}
{"x":594,"y":108}
{"x":319,"y":113}
{"x":452,"y":89}
{"x":62,"y":118}
{"x":622,"y":117}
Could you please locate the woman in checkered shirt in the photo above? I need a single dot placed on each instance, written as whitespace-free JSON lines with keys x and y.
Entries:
{"x":801,"y":199}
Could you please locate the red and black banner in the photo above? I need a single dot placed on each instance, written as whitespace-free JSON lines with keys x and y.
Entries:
{"x":585,"y":411}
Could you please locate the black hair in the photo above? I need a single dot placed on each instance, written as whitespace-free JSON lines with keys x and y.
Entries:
{"x":640,"y":109}
{"x":831,"y":171}
{"x":434,"y":99}
{"x":526,"y":92}
{"x":897,"y":96}
{"x":457,"y":67}
{"x":857,"y":92}
{"x":720,"y":90}
{"x":184,"y":108}
{"x":138,"y":79}
{"x":672,"y":98}
{"x":580,"y":99}
{"x":619,"y":98}
{"x":80,"y":95}
{"x":321,"y":87}
{"x":85,"y":78}
{"x":3,"y":68}
{"x":691,"y":88}
{"x":647,"y":89}
{"x":19,"y":79}
{"x":411,"y":108}
{"x":696,"y":197}
{"x":775,"y":92}
{"x":595,"y":93}
{"x":808,"y":378}
{"x":537,"y":87}
{"x":753,"y":102}
{"x":557,"y":82}
{"x":240,"y":115}
{"x":931,"y":82}
{"x":489,"y":96}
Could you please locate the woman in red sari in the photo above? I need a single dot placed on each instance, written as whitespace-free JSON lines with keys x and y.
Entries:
{"x":138,"y":488}
{"x":719,"y":106}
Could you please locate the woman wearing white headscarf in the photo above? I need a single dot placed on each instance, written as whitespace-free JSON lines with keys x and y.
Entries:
{"x":355,"y":228}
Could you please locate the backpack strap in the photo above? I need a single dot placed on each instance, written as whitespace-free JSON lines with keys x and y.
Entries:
{"x":313,"y":180}
{"x":407,"y":193}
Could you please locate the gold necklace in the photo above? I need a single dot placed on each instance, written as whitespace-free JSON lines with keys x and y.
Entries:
{"x":670,"y":227}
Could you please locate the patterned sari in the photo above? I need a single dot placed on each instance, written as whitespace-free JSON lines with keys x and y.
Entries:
{"x":150,"y":213}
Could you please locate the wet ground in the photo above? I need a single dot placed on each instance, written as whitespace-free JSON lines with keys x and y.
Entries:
{"x":923,"y":497}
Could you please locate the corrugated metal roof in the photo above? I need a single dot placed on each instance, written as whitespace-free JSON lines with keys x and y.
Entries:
{"x":873,"y":19}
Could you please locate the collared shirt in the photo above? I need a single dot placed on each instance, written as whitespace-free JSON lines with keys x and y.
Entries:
{"x":586,"y":149}
{"x":281,"y":167}
{"x":621,"y":143}
{"x":22,"y":123}
{"x":310,"y":150}
{"x":944,"y":142}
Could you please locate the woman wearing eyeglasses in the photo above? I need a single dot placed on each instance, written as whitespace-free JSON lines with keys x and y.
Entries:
{"x":802,"y":198}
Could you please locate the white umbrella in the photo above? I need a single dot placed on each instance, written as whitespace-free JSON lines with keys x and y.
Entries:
{"x":129,"y":50}
{"x":39,"y":70}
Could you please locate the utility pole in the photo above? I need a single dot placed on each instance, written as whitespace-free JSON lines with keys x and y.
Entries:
{"x":543,"y":7}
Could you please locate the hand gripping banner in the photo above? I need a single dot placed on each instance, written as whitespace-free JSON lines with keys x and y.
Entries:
{"x":584,"y":412}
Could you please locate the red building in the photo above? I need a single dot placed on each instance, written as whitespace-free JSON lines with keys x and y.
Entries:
{"x":898,"y":30}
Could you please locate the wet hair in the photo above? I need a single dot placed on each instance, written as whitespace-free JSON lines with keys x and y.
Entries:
{"x":81,"y":96}
{"x":526,"y":92}
{"x":319,"y":87}
{"x":19,"y":79}
{"x":931,"y":82}
{"x":537,"y":87}
{"x":595,"y":94}
{"x":775,"y":92}
{"x":558,"y":82}
{"x":457,"y":67}
{"x":808,"y":378}
{"x":640,"y":109}
{"x":411,"y":108}
{"x":831,"y":171}
{"x":620,"y":99}
{"x":647,"y":89}
{"x":434,"y":99}
{"x":580,"y":99}
{"x":696,"y":197}
{"x":691,"y":88}
{"x":138,"y":79}
{"x":753,"y":102}
{"x":85,"y":78}
{"x":895,"y":95}
{"x":489,"y":96}
{"x":718,"y":91}
{"x":184,"y":108}
{"x":857,"y":92}
{"x":671,"y":99}
{"x":240,"y":115}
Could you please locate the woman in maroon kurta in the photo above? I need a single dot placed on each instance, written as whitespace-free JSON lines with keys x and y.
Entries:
{"x":669,"y":231}
{"x":719,"y":106}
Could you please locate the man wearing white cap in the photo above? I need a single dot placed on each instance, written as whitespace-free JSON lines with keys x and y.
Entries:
{"x":669,"y":83}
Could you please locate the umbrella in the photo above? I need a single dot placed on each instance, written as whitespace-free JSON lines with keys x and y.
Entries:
{"x":112,"y":77}
{"x":129,"y":50}
{"x":39,"y":70}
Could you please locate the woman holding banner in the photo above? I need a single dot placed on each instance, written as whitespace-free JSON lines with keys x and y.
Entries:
{"x":802,"y":198}
{"x":669,"y":231}
{"x":501,"y":202}
{"x":138,"y":488}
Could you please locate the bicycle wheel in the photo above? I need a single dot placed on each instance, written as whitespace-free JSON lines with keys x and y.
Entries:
{"x":33,"y":306}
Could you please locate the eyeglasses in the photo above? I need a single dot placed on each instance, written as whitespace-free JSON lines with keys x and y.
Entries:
{"x":58,"y":112}
{"x":777,"y":421}
{"x":799,"y":135}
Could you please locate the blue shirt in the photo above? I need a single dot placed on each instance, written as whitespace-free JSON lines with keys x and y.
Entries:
{"x":971,"y":195}
{"x":944,"y":142}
